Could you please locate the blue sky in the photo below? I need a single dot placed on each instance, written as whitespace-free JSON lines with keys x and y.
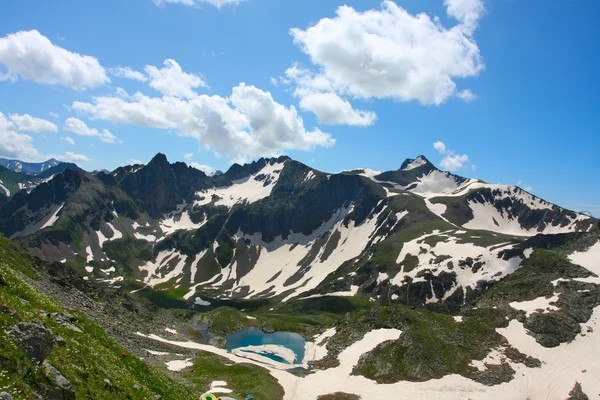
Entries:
{"x":510,"y":87}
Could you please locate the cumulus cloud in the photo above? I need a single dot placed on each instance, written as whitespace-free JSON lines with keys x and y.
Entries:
{"x":32,"y":56}
{"x":134,"y":161}
{"x":28,"y":123}
{"x":452,"y":161}
{"x":53,"y":115}
{"x":467,"y":12}
{"x":188,"y":156}
{"x":69,"y":140}
{"x":440,"y":147}
{"x":79,"y":127}
{"x":14,"y":144}
{"x":172,"y":81}
{"x":128,"y":73}
{"x":466,"y":95}
{"x":382,"y":54}
{"x":216,"y":3}
{"x":208,"y":170}
{"x":249,"y":123}
{"x":72,"y":157}
{"x":317,"y":95}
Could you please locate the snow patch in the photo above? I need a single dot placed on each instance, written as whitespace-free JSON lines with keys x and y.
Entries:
{"x":52,"y":220}
{"x":250,"y":189}
{"x":178,"y":365}
{"x":533,"y":306}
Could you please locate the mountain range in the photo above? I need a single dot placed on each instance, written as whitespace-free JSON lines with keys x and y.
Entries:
{"x":279,"y":234}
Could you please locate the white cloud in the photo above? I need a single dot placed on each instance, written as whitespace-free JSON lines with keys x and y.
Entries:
{"x":467,"y":12}
{"x":466,"y":95}
{"x":28,"y":123}
{"x":32,"y":56}
{"x":133,"y":161}
{"x":249,"y":123}
{"x":216,"y":3}
{"x":53,"y":115}
{"x":452,"y":161}
{"x":69,"y":140}
{"x":79,"y":127}
{"x":386,"y":53}
{"x":331,"y":109}
{"x":208,"y":170}
{"x":188,"y":156}
{"x":128,"y":73}
{"x":14,"y":144}
{"x":172,"y":81}
{"x":72,"y":157}
{"x":20,"y":146}
{"x":440,"y":147}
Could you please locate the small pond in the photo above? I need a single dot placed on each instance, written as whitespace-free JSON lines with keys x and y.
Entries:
{"x":255,"y":337}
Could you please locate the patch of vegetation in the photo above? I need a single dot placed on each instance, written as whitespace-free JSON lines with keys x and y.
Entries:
{"x":432,"y":345}
{"x":339,"y":396}
{"x":11,"y":180}
{"x":242,"y":379}
{"x":95,"y":365}
{"x":128,"y":252}
{"x":168,"y":297}
{"x":225,"y":320}
{"x":533,"y":279}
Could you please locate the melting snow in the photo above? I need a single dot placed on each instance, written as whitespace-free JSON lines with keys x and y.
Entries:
{"x":52,"y":220}
{"x":266,"y":350}
{"x":532,"y":306}
{"x":589,"y":259}
{"x":5,"y":189}
{"x":200,"y":302}
{"x":249,"y":189}
{"x":415,"y":164}
{"x":178,"y":365}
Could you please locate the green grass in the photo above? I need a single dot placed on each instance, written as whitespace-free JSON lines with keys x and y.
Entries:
{"x":242,"y":379}
{"x":85,"y":359}
{"x":128,"y":252}
{"x":432,"y":344}
{"x":11,"y":180}
{"x":168,"y":297}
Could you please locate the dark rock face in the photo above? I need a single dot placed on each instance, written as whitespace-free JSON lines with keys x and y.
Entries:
{"x":161,"y":186}
{"x":407,"y":178}
{"x":577,"y":393}
{"x":61,"y":389}
{"x":34,"y":339}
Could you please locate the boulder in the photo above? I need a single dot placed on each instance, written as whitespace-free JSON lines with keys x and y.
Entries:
{"x":577,"y":393}
{"x":34,"y":339}
{"x":62,"y":388}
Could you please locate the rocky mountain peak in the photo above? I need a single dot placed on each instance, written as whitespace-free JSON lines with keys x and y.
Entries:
{"x":414,"y":163}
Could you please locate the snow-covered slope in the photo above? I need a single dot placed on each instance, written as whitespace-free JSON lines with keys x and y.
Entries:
{"x":247,"y":190}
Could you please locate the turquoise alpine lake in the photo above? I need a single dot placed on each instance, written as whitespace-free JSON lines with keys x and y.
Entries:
{"x":255,"y":337}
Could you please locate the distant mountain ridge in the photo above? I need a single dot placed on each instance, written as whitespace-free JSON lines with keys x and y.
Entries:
{"x":276,"y":228}
{"x":13,"y":181}
{"x":28,"y":168}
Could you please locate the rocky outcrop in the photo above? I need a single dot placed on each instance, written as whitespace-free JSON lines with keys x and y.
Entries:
{"x":34,"y":339}
{"x":577,"y":393}
{"x":61,"y":388}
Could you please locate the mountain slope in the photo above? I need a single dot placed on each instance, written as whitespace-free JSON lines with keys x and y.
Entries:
{"x":28,"y":168}
{"x":276,"y":228}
